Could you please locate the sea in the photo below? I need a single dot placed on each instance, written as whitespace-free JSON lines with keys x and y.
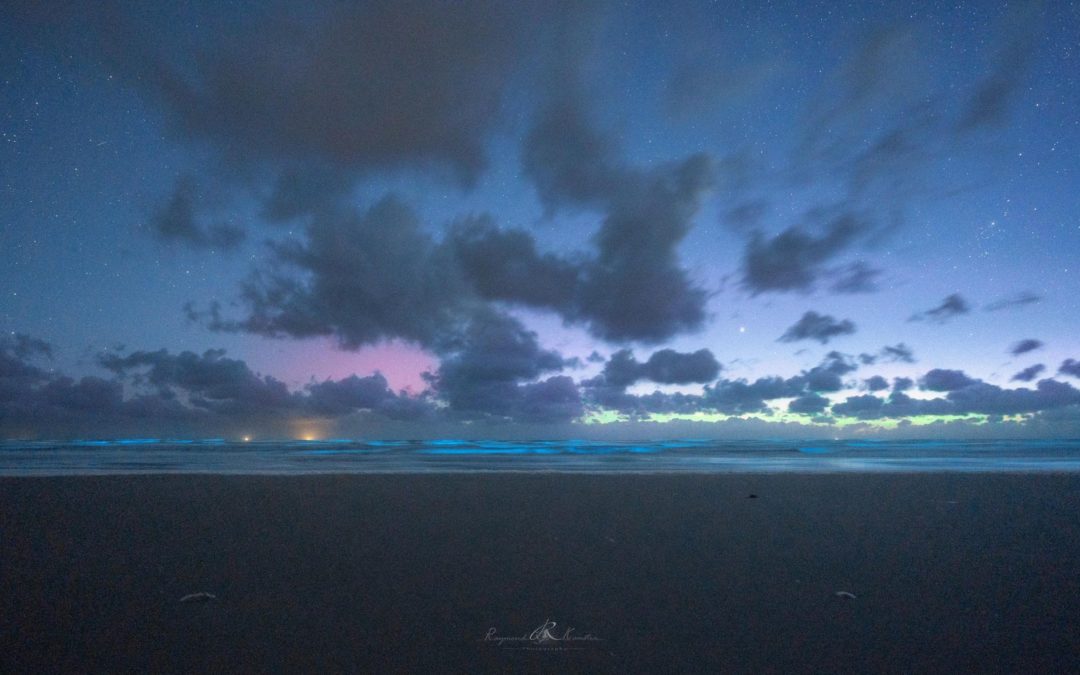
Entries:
{"x":220,"y":456}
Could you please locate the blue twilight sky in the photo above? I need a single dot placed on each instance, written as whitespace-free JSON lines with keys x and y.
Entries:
{"x":539,"y":218}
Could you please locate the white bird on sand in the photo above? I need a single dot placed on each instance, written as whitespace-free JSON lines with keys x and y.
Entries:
{"x":201,"y":596}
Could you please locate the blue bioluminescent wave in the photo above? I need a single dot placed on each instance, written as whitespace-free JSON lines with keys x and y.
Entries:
{"x":217,"y":456}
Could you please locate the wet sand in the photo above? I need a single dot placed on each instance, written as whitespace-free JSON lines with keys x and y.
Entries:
{"x":409,"y":573}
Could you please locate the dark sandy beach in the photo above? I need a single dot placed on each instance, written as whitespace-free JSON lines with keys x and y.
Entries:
{"x":392,"y":573}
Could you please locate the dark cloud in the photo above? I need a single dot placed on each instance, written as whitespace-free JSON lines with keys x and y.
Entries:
{"x":827,"y":376}
{"x":492,"y":371}
{"x":177,"y":220}
{"x":495,"y":371}
{"x":976,"y":397}
{"x":482,"y":373}
{"x":362,"y":277}
{"x":809,"y":404}
{"x":90,"y":395}
{"x":505,"y":265}
{"x":902,"y":383}
{"x":988,"y":399}
{"x":171,"y":393}
{"x":210,"y":380}
{"x":556,"y":399}
{"x":34,"y":401}
{"x":1025,"y":346}
{"x":793,"y":259}
{"x":608,"y":389}
{"x":898,"y":404}
{"x":952,"y":306}
{"x":336,"y":398}
{"x":940,"y":379}
{"x":876,"y":383}
{"x":666,"y":366}
{"x":366,"y":86}
{"x":735,"y":397}
{"x":633,"y":287}
{"x":365,"y":277}
{"x":378,"y":275}
{"x":368,"y":276}
{"x":1028,"y":374}
{"x":570,"y":162}
{"x":18,"y":376}
{"x":212,"y":383}
{"x":1070,"y":367}
{"x":1019,"y":300}
{"x":820,"y":327}
{"x":859,"y":406}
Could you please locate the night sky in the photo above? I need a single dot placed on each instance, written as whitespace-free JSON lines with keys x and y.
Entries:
{"x":581,"y":219}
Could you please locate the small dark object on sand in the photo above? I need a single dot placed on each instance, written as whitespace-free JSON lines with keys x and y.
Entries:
{"x":201,"y":596}
{"x":752,"y":496}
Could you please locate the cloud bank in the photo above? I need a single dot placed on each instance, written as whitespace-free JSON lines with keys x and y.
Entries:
{"x":498,"y":376}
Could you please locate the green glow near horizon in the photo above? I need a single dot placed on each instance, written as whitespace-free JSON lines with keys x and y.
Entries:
{"x":605,"y":416}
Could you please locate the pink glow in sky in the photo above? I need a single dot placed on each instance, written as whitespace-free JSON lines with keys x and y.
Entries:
{"x":296,"y":363}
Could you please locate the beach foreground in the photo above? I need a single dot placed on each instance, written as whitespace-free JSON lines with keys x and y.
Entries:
{"x":669,"y":573}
